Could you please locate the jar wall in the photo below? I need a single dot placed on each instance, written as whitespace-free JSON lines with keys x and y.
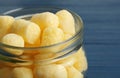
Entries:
{"x":73,"y":65}
{"x":64,"y":60}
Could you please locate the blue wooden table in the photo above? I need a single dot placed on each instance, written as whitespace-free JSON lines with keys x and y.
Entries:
{"x":101,"y":31}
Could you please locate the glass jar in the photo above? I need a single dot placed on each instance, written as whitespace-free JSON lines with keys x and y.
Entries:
{"x":66,"y":59}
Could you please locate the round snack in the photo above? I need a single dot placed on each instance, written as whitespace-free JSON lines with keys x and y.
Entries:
{"x":52,"y":35}
{"x":81,"y":61}
{"x":13,"y":40}
{"x":73,"y":73}
{"x":51,"y":71}
{"x":28,"y":30}
{"x":5,"y":24}
{"x":45,"y":19}
{"x":22,"y":72}
{"x":66,"y":21}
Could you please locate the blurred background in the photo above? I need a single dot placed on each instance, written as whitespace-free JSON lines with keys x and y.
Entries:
{"x":101,"y":30}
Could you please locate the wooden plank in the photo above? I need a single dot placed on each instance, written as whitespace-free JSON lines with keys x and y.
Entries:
{"x":103,"y":55}
{"x":57,"y":2}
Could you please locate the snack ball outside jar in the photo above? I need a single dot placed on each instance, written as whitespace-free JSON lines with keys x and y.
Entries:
{"x":64,"y":57}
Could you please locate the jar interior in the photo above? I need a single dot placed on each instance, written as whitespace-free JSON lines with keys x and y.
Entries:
{"x":64,"y":57}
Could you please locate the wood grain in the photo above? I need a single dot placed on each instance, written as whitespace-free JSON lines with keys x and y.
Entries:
{"x":101,"y":31}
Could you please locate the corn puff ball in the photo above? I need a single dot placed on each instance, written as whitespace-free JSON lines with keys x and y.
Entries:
{"x":66,"y":21}
{"x":81,"y":63}
{"x":22,"y":72}
{"x":52,"y":35}
{"x":51,"y":71}
{"x":45,"y":19}
{"x":5,"y":72}
{"x":13,"y":40}
{"x":28,"y":30}
{"x":73,"y":73}
{"x":5,"y":24}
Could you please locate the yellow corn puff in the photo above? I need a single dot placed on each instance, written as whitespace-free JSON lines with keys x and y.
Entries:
{"x":5,"y":24}
{"x":45,"y":19}
{"x":66,"y":21}
{"x":51,"y":71}
{"x":52,"y":35}
{"x":81,"y":61}
{"x":28,"y":30}
{"x":13,"y":40}
{"x":22,"y":72}
{"x":73,"y":73}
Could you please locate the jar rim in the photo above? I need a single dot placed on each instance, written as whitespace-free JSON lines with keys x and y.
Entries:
{"x":42,"y":47}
